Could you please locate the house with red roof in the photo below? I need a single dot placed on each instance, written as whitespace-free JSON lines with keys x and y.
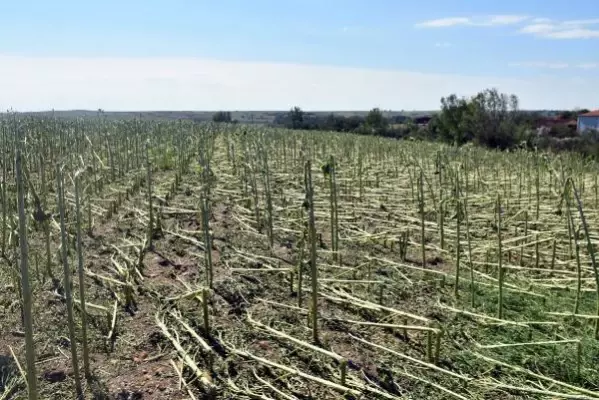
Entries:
{"x":588,"y":121}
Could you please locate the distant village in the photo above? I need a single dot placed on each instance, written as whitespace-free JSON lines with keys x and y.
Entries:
{"x":568,"y":121}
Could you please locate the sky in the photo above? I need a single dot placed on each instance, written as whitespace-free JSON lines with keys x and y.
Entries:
{"x":315,"y":54}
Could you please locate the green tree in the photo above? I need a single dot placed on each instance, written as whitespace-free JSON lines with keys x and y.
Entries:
{"x":296,"y":118}
{"x":222,"y":116}
{"x":567,"y":114}
{"x":410,"y":126}
{"x":452,"y":122}
{"x":493,"y":118}
{"x":489,"y":118}
{"x":375,"y":122}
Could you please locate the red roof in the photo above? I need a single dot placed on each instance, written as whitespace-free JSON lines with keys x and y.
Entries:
{"x":590,"y":114}
{"x":554,"y":121}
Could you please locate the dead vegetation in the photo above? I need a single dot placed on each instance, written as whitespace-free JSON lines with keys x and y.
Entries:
{"x":224,"y":262}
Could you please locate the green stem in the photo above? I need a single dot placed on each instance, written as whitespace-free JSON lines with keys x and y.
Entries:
{"x":500,"y":260}
{"x":25,"y":287}
{"x":67,"y":279}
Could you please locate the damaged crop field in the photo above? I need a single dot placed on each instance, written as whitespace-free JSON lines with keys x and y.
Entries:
{"x":172,"y":260}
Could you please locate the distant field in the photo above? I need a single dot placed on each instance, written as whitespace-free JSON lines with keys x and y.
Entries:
{"x":249,"y":117}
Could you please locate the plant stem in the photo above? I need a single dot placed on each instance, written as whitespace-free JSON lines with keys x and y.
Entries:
{"x":26,"y":289}
{"x":500,"y":260}
{"x":81,"y":280}
{"x":67,"y":282}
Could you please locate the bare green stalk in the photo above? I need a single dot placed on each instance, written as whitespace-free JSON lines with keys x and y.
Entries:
{"x":537,"y":254}
{"x":575,"y":236}
{"x":205,"y":312}
{"x":458,"y":220}
{"x":300,"y":264}
{"x":67,"y":282}
{"x":441,"y":205}
{"x":4,"y":199}
{"x":591,"y":250}
{"x":86,"y":367}
{"x":26,"y":289}
{"x":268,"y":195}
{"x":150,"y":207}
{"x":421,"y":209}
{"x":208,"y":240}
{"x":330,"y":172}
{"x":500,"y":271}
{"x":553,"y":251}
{"x":525,"y":237}
{"x":313,"y":266}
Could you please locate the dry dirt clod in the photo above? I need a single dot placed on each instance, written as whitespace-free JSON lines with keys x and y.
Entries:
{"x":140,"y":357}
{"x":54,"y":376}
{"x":129,"y":395}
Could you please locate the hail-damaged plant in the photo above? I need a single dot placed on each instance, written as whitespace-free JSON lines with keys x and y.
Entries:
{"x":299,"y":268}
{"x":590,"y":249}
{"x":67,"y":279}
{"x":252,"y":178}
{"x":263,"y":151}
{"x":150,"y":233}
{"x":500,"y":269}
{"x":81,"y":276}
{"x":458,"y":222}
{"x":205,"y":210}
{"x":46,"y":219}
{"x":4,"y":191}
{"x":309,"y":203}
{"x":422,"y":220}
{"x":439,"y":172}
{"x":329,"y":172}
{"x":24,"y":264}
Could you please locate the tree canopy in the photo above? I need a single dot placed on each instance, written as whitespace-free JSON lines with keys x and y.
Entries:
{"x":222,"y":116}
{"x":296,"y":118}
{"x":375,"y":122}
{"x":489,"y":118}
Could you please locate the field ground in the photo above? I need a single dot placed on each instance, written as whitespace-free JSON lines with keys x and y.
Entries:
{"x":389,"y":325}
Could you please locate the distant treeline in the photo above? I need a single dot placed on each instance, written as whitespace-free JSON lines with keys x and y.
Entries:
{"x":490,"y":118}
{"x":373,"y":123}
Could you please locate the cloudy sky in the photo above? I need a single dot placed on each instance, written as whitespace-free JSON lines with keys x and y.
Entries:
{"x":320,"y":55}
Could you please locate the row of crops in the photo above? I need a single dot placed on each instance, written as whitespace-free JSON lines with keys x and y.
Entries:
{"x":258,"y":263}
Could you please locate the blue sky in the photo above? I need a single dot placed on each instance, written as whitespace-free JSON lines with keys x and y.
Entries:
{"x":518,"y":46}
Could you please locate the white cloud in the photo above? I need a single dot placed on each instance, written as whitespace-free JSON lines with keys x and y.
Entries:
{"x":537,"y":28}
{"x":554,"y":65}
{"x":588,"y":65}
{"x":505,"y":19}
{"x":572,"y":29}
{"x":540,"y":27}
{"x":444,"y":22}
{"x":573,"y":34}
{"x":43,"y":83}
{"x":489,"y":20}
{"x":346,"y":31}
{"x":443,"y":44}
{"x":578,"y":22}
{"x":541,"y":64}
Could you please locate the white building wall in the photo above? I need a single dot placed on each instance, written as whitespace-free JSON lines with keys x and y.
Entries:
{"x":585,"y":123}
